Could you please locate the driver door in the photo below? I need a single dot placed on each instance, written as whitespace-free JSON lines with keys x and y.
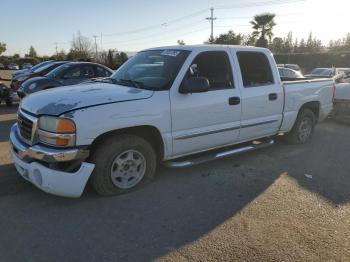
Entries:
{"x":202,"y":121}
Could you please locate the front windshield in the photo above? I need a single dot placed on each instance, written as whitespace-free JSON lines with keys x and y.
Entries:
{"x":41,"y":68}
{"x":40,"y":65}
{"x":57,"y":71}
{"x":154,"y":69}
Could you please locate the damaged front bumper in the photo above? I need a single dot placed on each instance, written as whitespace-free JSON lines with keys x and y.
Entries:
{"x":29,"y":162}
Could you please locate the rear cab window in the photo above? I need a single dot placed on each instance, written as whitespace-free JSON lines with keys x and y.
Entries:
{"x":255,"y":69}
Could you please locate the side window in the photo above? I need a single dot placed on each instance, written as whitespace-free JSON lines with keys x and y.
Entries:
{"x":255,"y":69}
{"x":101,"y":72}
{"x":216,"y":67}
{"x":87,"y":71}
{"x":73,"y":73}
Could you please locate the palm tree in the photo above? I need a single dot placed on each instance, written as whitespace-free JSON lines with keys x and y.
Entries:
{"x":263,"y":25}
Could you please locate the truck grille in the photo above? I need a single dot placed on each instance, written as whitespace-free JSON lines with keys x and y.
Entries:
{"x":25,"y":127}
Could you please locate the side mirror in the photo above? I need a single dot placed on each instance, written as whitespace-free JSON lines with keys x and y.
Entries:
{"x":194,"y":85}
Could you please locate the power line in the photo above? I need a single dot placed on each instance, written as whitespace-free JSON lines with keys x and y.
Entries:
{"x":155,"y":34}
{"x":157,"y":26}
{"x":260,"y":3}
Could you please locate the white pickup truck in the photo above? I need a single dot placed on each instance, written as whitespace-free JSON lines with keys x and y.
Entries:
{"x":180,"y":105}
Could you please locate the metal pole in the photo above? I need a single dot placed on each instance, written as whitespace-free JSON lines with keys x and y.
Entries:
{"x":95,"y":47}
{"x":211,"y":19}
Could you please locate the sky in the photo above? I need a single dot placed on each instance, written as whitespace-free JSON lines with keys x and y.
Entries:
{"x":134,"y":25}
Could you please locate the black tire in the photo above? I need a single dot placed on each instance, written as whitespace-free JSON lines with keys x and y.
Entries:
{"x":105,"y":154}
{"x":296,"y":136}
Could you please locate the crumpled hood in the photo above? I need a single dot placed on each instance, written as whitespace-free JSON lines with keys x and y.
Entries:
{"x":63,"y":99}
{"x":343,"y":91}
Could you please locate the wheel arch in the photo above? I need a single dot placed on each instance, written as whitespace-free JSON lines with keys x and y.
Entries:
{"x":147,"y":132}
{"x":314,"y":106}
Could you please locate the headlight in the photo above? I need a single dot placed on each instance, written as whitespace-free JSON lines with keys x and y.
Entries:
{"x":56,"y":131}
{"x":32,"y":86}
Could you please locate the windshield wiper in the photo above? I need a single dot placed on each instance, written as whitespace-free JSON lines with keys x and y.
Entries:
{"x":134,"y":83}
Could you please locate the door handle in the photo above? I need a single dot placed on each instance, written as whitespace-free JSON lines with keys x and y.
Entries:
{"x":235,"y":100}
{"x":273,"y":96}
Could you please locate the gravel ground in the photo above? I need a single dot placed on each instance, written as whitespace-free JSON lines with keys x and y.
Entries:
{"x":283,"y":203}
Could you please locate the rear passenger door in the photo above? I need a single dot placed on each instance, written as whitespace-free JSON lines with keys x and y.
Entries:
{"x":262,"y":94}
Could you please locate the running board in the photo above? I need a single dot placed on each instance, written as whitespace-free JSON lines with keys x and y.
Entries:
{"x":218,"y":154}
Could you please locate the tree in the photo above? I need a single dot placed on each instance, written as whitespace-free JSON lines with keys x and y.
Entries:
{"x":249,"y":40}
{"x":181,"y":42}
{"x":32,"y":52}
{"x":263,"y":25}
{"x":81,"y":48}
{"x":302,"y":46}
{"x":230,"y":38}
{"x":61,"y":55}
{"x":2,"y":47}
{"x":277,"y":45}
{"x":123,"y":57}
{"x":113,"y":59}
{"x":313,"y":45}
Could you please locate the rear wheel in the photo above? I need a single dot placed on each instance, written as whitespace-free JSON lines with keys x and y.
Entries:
{"x":122,"y":164}
{"x":303,"y":128}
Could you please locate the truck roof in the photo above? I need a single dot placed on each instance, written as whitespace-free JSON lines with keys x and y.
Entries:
{"x":208,"y":46}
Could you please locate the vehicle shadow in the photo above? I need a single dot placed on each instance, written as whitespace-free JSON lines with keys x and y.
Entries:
{"x":323,"y":165}
{"x":178,"y":208}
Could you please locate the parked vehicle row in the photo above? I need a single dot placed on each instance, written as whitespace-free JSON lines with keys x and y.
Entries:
{"x":180,"y":105}
{"x":13,"y":66}
{"x":68,"y":74}
{"x":18,"y":80}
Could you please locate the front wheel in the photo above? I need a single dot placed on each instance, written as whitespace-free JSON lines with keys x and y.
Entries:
{"x":303,"y":128}
{"x":122,"y":163}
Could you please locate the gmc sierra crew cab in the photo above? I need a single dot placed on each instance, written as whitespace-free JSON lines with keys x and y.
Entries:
{"x":180,"y":105}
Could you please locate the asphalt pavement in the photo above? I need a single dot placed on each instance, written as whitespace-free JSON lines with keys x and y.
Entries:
{"x":283,"y":203}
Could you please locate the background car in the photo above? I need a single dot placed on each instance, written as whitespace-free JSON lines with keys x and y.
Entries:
{"x":13,"y":66}
{"x":294,"y":67}
{"x":23,"y":71}
{"x":27,"y":65}
{"x":326,"y":72}
{"x":17,"y":81}
{"x":2,"y":67}
{"x":68,"y":74}
{"x":289,"y":74}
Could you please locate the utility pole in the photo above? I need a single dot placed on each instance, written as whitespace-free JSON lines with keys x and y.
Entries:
{"x":211,"y":19}
{"x":56,"y":47}
{"x":95,"y":36}
{"x":101,"y":48}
